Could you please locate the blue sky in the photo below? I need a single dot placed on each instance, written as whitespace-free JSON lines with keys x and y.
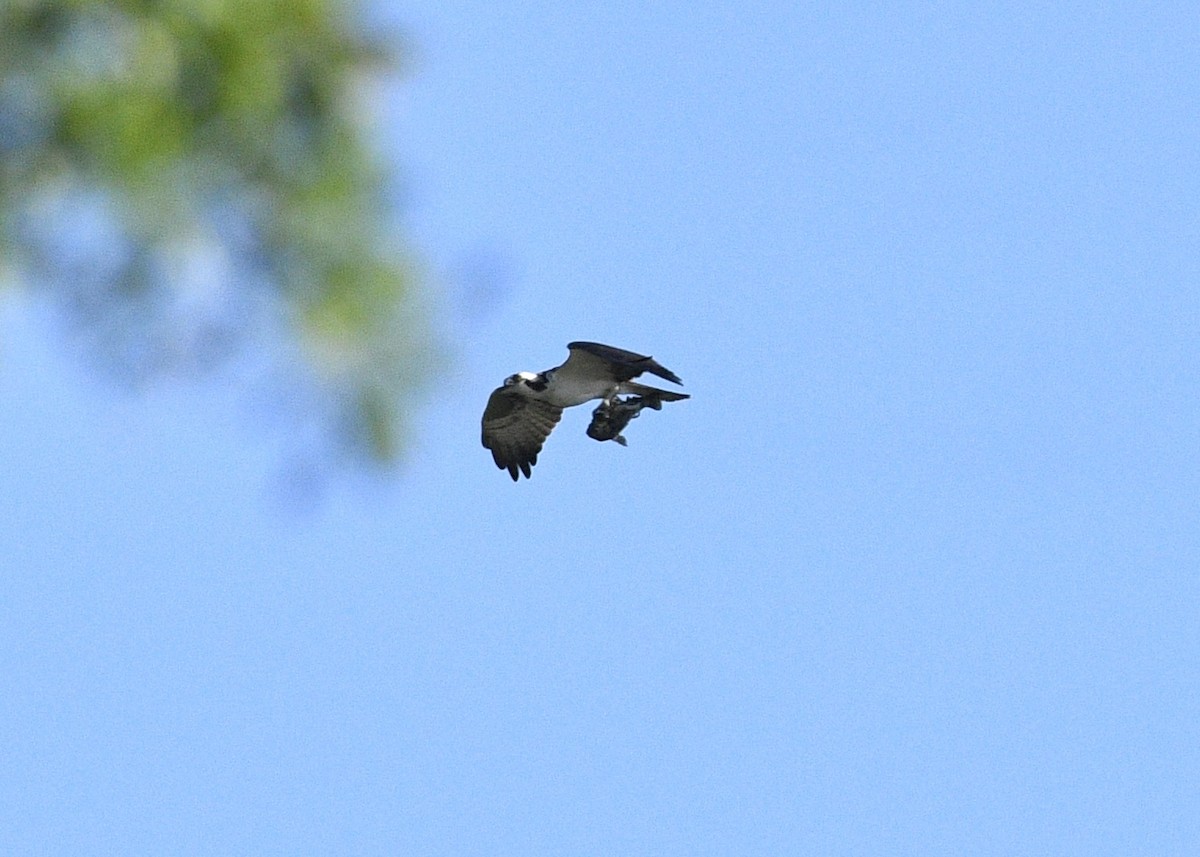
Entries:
{"x":914,"y":572}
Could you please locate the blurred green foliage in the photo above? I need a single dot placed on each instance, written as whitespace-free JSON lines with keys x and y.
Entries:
{"x":195,"y":180}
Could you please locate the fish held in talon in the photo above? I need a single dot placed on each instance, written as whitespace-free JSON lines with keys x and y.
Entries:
{"x":610,"y":418}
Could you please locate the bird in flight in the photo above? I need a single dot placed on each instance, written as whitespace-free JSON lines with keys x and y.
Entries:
{"x":522,"y":412}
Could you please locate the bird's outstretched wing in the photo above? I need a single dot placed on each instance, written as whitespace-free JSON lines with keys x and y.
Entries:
{"x":514,"y":428}
{"x":593,"y":360}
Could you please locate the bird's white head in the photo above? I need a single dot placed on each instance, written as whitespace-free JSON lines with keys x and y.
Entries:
{"x":520,"y":377}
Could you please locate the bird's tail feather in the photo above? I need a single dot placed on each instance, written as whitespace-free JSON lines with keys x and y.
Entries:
{"x":652,"y":394}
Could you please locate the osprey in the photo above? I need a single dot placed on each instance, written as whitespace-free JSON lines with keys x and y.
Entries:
{"x":521,"y":414}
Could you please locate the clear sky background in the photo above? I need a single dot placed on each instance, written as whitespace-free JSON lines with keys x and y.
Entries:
{"x":914,"y":572}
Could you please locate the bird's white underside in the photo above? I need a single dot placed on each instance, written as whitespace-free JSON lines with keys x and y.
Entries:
{"x":569,"y":391}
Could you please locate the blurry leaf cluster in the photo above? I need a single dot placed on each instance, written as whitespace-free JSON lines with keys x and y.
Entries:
{"x":195,"y":180}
